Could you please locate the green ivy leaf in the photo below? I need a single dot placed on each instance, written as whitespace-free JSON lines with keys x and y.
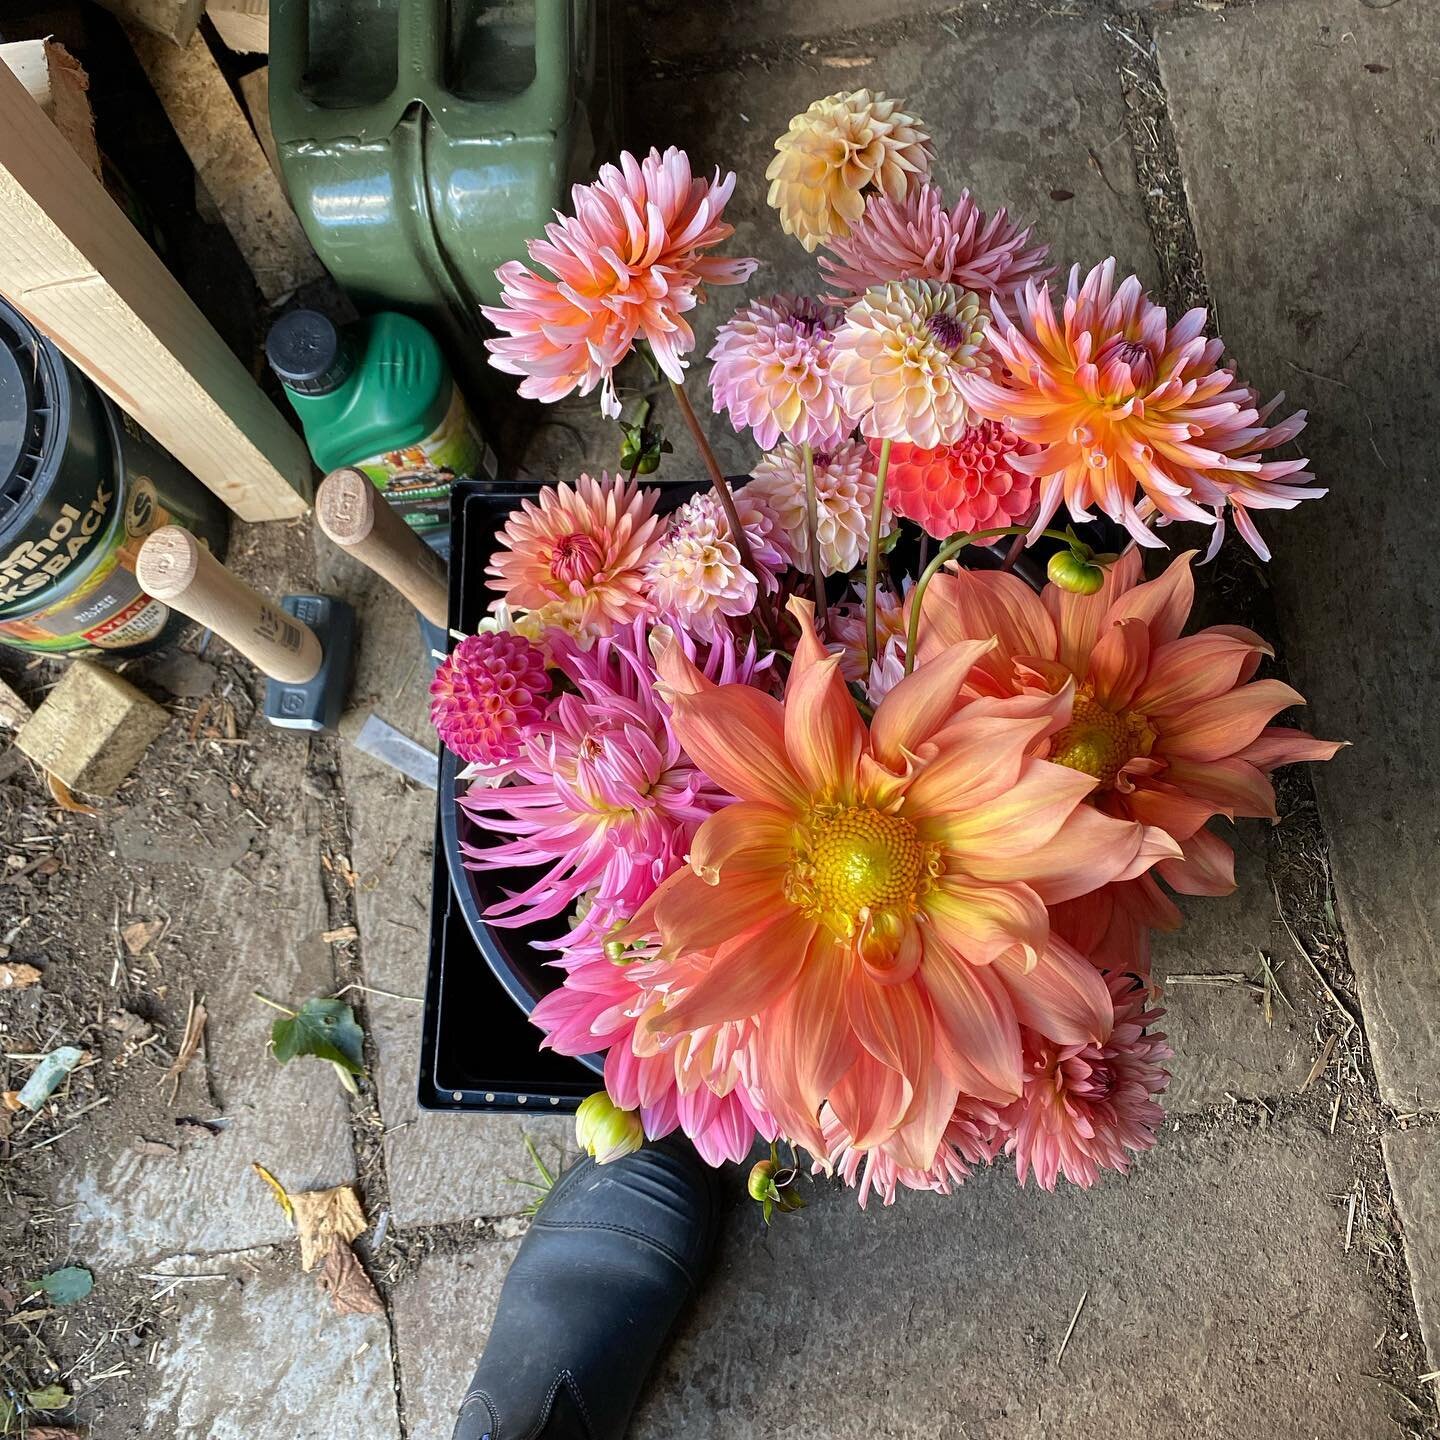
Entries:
{"x":326,"y":1029}
{"x":52,"y":1397}
{"x":68,"y":1286}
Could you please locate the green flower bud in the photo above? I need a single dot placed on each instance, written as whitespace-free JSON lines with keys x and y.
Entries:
{"x":761,"y":1183}
{"x":1070,"y":571}
{"x":606,"y":1132}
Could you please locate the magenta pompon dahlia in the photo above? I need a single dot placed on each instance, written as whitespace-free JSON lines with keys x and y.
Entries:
{"x":488,"y":694}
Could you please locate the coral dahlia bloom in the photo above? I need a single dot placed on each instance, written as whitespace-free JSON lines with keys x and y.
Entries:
{"x":1086,"y":1108}
{"x":875,"y":900}
{"x":627,"y":265}
{"x":1173,"y":728}
{"x":916,"y":238}
{"x":901,"y":355}
{"x":695,"y":575}
{"x":970,"y":485}
{"x":832,"y":154}
{"x":578,"y":553}
{"x":772,"y":372}
{"x":601,"y":794}
{"x":844,"y":492}
{"x":489,"y":691}
{"x":1122,"y":405}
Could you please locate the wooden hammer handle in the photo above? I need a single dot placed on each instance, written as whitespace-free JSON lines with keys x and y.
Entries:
{"x":354,"y":514}
{"x":174,"y":567}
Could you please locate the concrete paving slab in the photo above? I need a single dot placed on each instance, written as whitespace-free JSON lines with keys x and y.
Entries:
{"x":1412,"y":1158}
{"x":261,"y":1352}
{"x":682,"y":29}
{"x":442,"y":1317}
{"x":269,"y":916}
{"x":1017,"y":116}
{"x":1306,"y":133}
{"x":1219,"y":1303}
{"x":441,"y":1167}
{"x":1222,"y":1044}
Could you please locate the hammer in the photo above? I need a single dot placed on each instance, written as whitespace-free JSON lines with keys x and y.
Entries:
{"x":305,"y":645}
{"x":353,"y":513}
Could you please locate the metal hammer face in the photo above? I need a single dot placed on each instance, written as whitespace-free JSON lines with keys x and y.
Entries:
{"x":316,"y":703}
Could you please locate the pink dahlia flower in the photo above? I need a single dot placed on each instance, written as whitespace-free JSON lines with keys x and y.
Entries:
{"x":1128,"y":413}
{"x":696,"y":576}
{"x":601,"y":793}
{"x":576,"y":555}
{"x":973,"y":1137}
{"x":627,"y":265}
{"x":844,"y":492}
{"x":973,"y":484}
{"x":1086,"y":1108}
{"x":772,"y":372}
{"x":915,"y":237}
{"x":488,"y":693}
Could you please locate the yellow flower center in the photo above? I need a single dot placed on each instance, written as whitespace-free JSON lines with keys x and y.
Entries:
{"x":1101,"y":742}
{"x":854,"y":861}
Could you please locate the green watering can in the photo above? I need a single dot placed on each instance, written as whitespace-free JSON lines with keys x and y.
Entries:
{"x":423,"y":142}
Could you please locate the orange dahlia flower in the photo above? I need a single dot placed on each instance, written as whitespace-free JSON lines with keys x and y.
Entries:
{"x":1132,"y":415}
{"x":875,"y":899}
{"x":1173,"y":728}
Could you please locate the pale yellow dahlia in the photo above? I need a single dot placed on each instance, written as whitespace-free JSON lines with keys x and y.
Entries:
{"x":844,"y":489}
{"x":901,"y":355}
{"x":840,"y":148}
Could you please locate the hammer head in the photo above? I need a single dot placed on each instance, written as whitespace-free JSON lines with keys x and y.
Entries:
{"x":316,"y":704}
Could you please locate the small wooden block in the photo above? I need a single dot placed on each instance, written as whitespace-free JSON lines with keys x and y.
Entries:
{"x":176,"y":20}
{"x":92,"y":729}
{"x":243,"y":25}
{"x":14,"y":712}
{"x":58,"y":85}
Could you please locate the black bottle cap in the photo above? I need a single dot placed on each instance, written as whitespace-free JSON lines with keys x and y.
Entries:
{"x":308,"y":353}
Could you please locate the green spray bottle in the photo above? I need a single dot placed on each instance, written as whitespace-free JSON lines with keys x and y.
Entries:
{"x":378,"y":395}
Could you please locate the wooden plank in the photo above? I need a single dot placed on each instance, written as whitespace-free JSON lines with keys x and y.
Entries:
{"x":243,"y":25}
{"x":58,"y":84}
{"x":176,"y":20}
{"x":75,"y":266}
{"x":255,"y":87}
{"x":230,"y":163}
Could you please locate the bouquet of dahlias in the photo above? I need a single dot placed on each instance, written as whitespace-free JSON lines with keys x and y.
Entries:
{"x":860,"y":855}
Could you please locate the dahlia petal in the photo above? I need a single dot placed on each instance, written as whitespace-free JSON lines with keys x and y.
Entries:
{"x":982,"y":760}
{"x":1118,"y":663}
{"x":1227,"y":724}
{"x":922,"y":702}
{"x":1231,"y":785}
{"x":1279,"y":745}
{"x":983,"y":922}
{"x":744,"y":836}
{"x":1062,"y":996}
{"x":1164,"y":603}
{"x":823,"y":732}
{"x":1207,"y":867}
{"x":736,"y":735}
{"x":1078,"y":619}
{"x":1199,"y":667}
{"x":870,"y":1100}
{"x":692,"y":915}
{"x":975,"y":1017}
{"x":993,"y":840}
{"x":1089,"y":850}
{"x":1169,"y":808}
{"x":988,"y":602}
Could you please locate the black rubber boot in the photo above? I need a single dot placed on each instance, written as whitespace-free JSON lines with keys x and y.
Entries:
{"x":611,"y":1259}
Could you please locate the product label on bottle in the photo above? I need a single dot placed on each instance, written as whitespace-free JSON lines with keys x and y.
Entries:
{"x":416,"y":479}
{"x":108,"y":610}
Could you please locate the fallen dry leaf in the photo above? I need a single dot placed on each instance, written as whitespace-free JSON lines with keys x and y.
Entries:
{"x":64,"y":799}
{"x":189,"y":1044}
{"x":133,"y":1029}
{"x":279,"y":1191}
{"x":341,"y":936}
{"x":139,"y":933}
{"x":18,"y":977}
{"x":348,"y":1286}
{"x":10,"y":1099}
{"x":324,"y":1217}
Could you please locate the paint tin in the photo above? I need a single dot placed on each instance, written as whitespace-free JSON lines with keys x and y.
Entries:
{"x":81,"y":486}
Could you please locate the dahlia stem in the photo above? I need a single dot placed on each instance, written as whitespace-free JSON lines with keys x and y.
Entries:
{"x":946,"y":553}
{"x":727,"y":503}
{"x":872,"y":558}
{"x":812,"y":520}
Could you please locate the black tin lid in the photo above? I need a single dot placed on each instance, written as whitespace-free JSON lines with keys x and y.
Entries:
{"x":34,"y":401}
{"x":308,"y":353}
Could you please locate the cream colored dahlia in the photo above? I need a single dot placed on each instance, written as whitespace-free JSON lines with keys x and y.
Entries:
{"x":901,"y":355}
{"x":844,"y":489}
{"x":576,"y":555}
{"x":840,"y":148}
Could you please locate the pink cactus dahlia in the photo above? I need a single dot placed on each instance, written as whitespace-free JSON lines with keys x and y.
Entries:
{"x":772,"y":372}
{"x":917,"y":238}
{"x":576,"y":555}
{"x":487,"y":695}
{"x":844,"y":490}
{"x":1087,"y":1108}
{"x":972,"y":484}
{"x":1129,"y":413}
{"x":601,"y":793}
{"x":627,"y":265}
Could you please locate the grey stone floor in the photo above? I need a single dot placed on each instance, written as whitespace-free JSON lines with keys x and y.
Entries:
{"x":1277,"y":158}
